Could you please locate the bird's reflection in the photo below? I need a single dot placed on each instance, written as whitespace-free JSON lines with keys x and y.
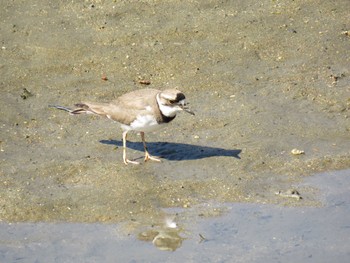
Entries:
{"x":165,"y":237}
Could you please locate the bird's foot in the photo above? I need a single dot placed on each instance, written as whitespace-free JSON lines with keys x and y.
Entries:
{"x":127,"y":161}
{"x":149,"y":157}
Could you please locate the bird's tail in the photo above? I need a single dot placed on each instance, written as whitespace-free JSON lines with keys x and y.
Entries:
{"x":61,"y":108}
{"x":81,"y":108}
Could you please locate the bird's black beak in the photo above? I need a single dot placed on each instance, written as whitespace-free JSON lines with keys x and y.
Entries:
{"x":187,"y":109}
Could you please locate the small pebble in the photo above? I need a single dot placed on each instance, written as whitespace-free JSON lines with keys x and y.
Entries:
{"x":297,"y":152}
{"x":144,"y":82}
{"x":26,"y":94}
{"x":291,"y":193}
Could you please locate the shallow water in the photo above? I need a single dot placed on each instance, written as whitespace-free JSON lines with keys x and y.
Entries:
{"x":243,"y":233}
{"x":263,"y":77}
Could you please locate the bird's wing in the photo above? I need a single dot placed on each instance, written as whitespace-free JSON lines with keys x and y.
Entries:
{"x":130,"y":105}
{"x":125,"y":108}
{"x":137,"y":100}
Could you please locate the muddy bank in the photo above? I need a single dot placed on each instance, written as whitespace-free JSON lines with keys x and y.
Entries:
{"x":263,"y":78}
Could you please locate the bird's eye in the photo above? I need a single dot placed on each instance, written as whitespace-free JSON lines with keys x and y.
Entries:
{"x":172,"y":101}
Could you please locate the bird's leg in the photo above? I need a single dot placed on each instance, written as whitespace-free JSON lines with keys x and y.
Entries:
{"x":147,"y":155}
{"x":126,"y":161}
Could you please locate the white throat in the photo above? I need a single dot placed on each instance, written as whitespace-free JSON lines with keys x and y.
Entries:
{"x":167,"y":110}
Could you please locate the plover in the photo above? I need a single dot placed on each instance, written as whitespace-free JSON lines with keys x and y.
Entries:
{"x":142,"y":111}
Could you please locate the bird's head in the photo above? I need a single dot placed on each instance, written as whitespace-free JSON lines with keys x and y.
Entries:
{"x":172,"y":101}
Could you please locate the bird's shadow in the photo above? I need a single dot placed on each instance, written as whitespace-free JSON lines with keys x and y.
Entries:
{"x":177,"y":151}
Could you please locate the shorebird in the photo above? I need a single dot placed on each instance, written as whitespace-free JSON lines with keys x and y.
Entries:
{"x":142,"y":111}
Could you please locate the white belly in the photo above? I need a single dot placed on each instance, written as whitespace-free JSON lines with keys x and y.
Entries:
{"x":145,"y":123}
